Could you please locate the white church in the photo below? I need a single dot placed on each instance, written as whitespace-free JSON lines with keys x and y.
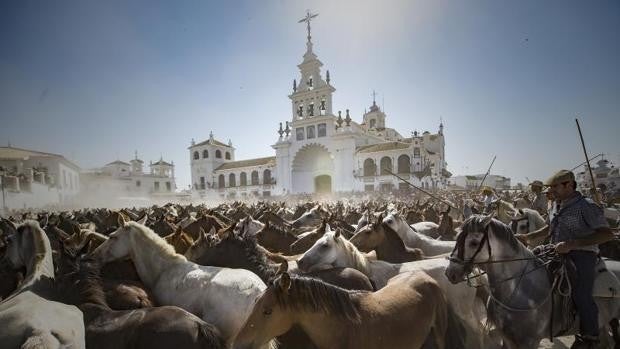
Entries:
{"x":319,"y":151}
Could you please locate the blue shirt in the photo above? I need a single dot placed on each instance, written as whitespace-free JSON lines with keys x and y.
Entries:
{"x":576,"y":218}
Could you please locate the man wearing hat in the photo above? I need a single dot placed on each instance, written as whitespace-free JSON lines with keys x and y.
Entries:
{"x":540,"y":200}
{"x":488,"y":197}
{"x":576,"y":226}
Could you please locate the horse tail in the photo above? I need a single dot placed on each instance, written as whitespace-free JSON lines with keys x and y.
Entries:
{"x":456,"y":332}
{"x":209,"y":337}
{"x":40,"y":340}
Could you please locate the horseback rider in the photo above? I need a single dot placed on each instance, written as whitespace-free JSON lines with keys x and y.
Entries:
{"x":576,"y":226}
{"x":488,"y":198}
{"x":540,"y":200}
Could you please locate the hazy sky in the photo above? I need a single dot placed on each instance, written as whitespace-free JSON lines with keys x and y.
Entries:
{"x":96,"y":80}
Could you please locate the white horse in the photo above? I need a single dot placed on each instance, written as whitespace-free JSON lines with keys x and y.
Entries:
{"x":526,"y":221}
{"x":520,"y":289}
{"x":249,"y":226}
{"x":221,"y":296}
{"x":27,"y":318}
{"x":333,"y":250}
{"x":414,"y":239}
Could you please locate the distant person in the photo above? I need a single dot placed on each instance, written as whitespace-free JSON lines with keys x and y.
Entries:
{"x":540,"y":200}
{"x":488,"y":198}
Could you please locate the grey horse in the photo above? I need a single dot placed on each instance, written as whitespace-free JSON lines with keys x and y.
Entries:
{"x":520,"y":290}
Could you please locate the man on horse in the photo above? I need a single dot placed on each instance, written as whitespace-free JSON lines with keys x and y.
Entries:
{"x":488,"y":198}
{"x":540,"y":200}
{"x":576,"y":226}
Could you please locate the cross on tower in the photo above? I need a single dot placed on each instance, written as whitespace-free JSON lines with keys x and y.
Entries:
{"x":374,"y":95}
{"x":307,"y":19}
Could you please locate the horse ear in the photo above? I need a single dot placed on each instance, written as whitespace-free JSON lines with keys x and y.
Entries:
{"x":120,"y":220}
{"x":285,"y":282}
{"x":449,"y":208}
{"x":143,"y":219}
{"x":337,"y":234}
{"x":283,"y":268}
{"x":521,"y":211}
{"x":323,"y":227}
{"x":487,"y":219}
{"x":201,"y":234}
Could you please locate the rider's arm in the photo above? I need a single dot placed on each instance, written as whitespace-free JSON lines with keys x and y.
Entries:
{"x":535,"y":236}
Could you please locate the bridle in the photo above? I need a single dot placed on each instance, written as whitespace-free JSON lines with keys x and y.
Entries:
{"x":459,"y":247}
{"x":515,"y":223}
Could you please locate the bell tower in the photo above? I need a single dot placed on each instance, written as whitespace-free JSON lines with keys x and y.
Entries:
{"x":312,"y":96}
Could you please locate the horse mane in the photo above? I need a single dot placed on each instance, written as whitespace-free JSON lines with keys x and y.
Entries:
{"x":90,"y":283}
{"x":477,"y":223}
{"x":158,"y":243}
{"x":42,"y":267}
{"x":256,"y":256}
{"x":357,"y":259}
{"x":314,"y":295}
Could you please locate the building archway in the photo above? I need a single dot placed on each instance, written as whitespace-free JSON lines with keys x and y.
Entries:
{"x":323,"y":184}
{"x":312,"y":161}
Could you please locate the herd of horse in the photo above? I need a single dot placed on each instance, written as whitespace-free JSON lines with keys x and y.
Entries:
{"x":345,"y":274}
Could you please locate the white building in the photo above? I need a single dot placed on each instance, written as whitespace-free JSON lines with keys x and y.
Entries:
{"x":34,"y":179}
{"x":119,"y":180}
{"x":472,"y":182}
{"x":605,"y":176}
{"x":322,"y":151}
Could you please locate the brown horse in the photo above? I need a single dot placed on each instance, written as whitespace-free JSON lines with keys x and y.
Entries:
{"x":385,"y":242}
{"x":179,"y":240}
{"x":308,"y":239}
{"x":160,"y":327}
{"x":275,"y":240}
{"x":410,"y":309}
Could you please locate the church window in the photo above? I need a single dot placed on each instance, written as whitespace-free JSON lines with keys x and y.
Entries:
{"x":202,"y":182}
{"x":404,"y":164}
{"x":416,"y":152}
{"x":156,"y":186}
{"x":231,"y":180}
{"x":254,"y":177}
{"x":310,"y":83}
{"x":196,"y":155}
{"x":386,"y":165}
{"x":205,"y":154}
{"x":243,"y":179}
{"x":168,"y":186}
{"x":310,"y":131}
{"x":267,"y":176}
{"x":300,"y":133}
{"x":218,"y":154}
{"x":322,"y":108}
{"x":373,"y":123}
{"x":322,"y":130}
{"x":221,"y":181}
{"x":138,"y":183}
{"x":311,"y":109}
{"x":227,"y":155}
{"x":370,"y":169}
{"x":300,"y":110}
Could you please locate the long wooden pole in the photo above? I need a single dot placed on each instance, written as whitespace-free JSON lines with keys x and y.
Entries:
{"x":585,"y":152}
{"x":486,"y":174}
{"x":418,"y":188}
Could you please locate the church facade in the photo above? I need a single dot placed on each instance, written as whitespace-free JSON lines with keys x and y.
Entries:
{"x":319,"y":150}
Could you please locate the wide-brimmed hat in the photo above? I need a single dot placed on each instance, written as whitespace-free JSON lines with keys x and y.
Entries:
{"x":560,"y":177}
{"x":486,"y":189}
{"x":536,"y":183}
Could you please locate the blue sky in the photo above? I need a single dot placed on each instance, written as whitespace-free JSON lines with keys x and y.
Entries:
{"x":96,"y":80}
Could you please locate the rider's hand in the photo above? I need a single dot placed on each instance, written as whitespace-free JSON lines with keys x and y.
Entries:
{"x":563,"y":247}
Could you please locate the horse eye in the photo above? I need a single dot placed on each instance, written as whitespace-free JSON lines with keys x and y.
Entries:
{"x":473,"y":243}
{"x":267,"y":311}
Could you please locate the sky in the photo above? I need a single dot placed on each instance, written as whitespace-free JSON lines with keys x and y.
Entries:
{"x":97,"y":80}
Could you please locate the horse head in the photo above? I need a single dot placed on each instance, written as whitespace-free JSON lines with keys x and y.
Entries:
{"x":323,"y":254}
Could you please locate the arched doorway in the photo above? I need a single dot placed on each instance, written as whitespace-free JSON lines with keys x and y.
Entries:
{"x":323,"y":184}
{"x":309,"y":165}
